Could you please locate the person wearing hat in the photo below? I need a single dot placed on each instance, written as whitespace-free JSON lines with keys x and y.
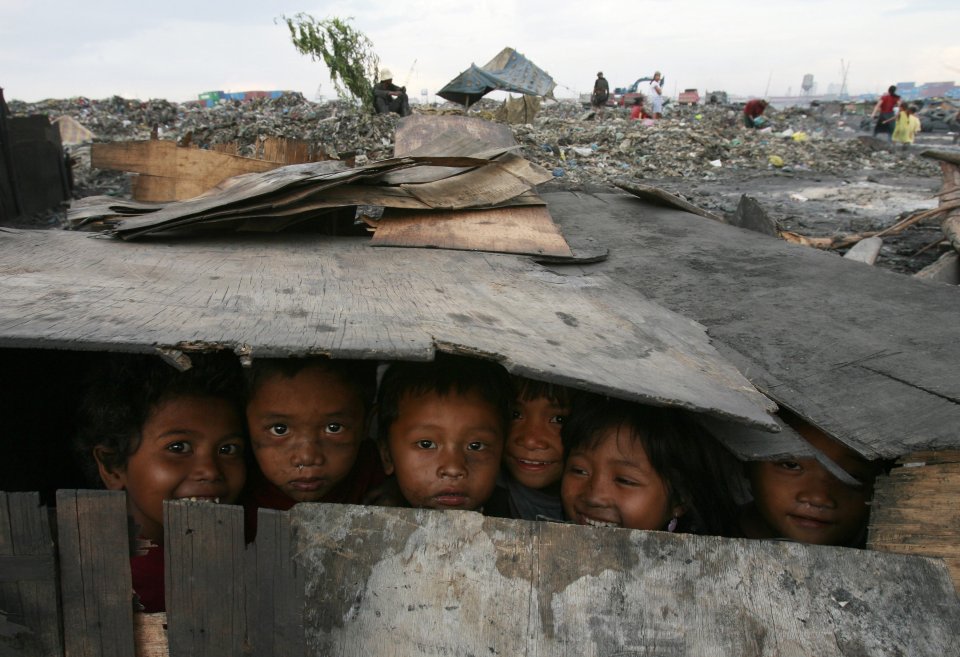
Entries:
{"x":388,"y":97}
{"x":601,"y":93}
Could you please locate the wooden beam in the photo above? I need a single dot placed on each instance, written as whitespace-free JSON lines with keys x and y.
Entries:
{"x":915,"y":509}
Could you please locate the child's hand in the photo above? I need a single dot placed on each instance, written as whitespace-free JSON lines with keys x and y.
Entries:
{"x":386,"y":494}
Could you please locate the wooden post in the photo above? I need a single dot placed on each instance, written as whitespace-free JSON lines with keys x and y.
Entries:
{"x":204,"y":568}
{"x":276,"y":594}
{"x":96,"y":587}
{"x":30,"y":618}
{"x":915,"y":509}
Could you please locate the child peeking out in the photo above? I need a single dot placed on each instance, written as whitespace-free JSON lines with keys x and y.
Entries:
{"x":441,"y":427}
{"x":533,"y":455}
{"x":644,"y":467}
{"x":308,"y":427}
{"x":800,"y":500}
{"x":161,"y":434}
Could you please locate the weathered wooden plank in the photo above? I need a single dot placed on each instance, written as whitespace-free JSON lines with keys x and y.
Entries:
{"x":402,"y":581}
{"x":95,"y":581}
{"x":868,"y":355}
{"x":914,"y":509}
{"x":946,"y":269}
{"x":417,"y":130}
{"x":150,"y":635}
{"x":276,"y":594}
{"x":285,"y":295}
{"x":31,"y":611}
{"x":204,"y":567}
{"x":865,"y":251}
{"x":528,"y":230}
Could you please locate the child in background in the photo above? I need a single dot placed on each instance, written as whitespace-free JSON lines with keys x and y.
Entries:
{"x":798,"y":499}
{"x":161,"y":434}
{"x":644,"y":467}
{"x":441,"y":428}
{"x":307,"y":419}
{"x":533,"y":455}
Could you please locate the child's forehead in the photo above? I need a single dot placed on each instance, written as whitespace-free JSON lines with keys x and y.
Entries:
{"x":617,"y":442}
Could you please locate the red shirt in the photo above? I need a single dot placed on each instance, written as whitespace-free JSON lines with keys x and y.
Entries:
{"x":754,"y":108}
{"x":366,"y":474}
{"x":147,"y":572}
{"x":888,"y":102}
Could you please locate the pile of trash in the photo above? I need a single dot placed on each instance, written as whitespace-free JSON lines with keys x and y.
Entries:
{"x":700,"y":142}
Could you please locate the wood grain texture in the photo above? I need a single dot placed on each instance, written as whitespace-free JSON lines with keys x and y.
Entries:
{"x":867,"y":355}
{"x":276,"y":591}
{"x":914,"y":509}
{"x":95,"y":583}
{"x":292,"y":295}
{"x":524,"y":230}
{"x":204,"y":566}
{"x":150,"y":635}
{"x":31,"y":610}
{"x":402,"y":582}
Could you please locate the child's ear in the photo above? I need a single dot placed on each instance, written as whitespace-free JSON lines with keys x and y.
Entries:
{"x":679,"y":510}
{"x":113,"y":478}
{"x":386,"y":459}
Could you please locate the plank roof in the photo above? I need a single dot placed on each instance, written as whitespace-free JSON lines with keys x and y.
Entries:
{"x":868,"y":355}
{"x":297,"y":294}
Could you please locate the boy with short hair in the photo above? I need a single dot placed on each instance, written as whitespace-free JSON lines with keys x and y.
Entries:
{"x":307,"y":419}
{"x":161,"y":434}
{"x":800,"y":500}
{"x":441,"y":428}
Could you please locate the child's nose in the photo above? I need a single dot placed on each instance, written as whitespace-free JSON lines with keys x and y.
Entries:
{"x":595,"y":492}
{"x":307,"y":451}
{"x":817,"y":489}
{"x":453,"y":464}
{"x":206,"y":467}
{"x":526,"y":435}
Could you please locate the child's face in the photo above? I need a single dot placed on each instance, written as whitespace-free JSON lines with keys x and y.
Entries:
{"x":612,"y":484}
{"x":445,"y":450}
{"x":191,"y":447}
{"x":800,"y":500}
{"x":534,"y":450}
{"x":306,"y":431}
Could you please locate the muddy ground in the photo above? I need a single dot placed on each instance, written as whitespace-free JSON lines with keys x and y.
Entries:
{"x":830,"y":179}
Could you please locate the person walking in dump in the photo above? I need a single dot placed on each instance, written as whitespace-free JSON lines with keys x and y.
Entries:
{"x":388,"y":97}
{"x":884,"y":112}
{"x":656,"y":96}
{"x":601,"y":94}
{"x":907,"y":125}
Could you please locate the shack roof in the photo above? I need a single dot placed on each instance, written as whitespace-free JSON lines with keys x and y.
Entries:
{"x":508,"y":71}
{"x":870,"y":356}
{"x":297,"y":294}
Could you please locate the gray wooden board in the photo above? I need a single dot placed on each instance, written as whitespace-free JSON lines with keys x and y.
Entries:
{"x":95,"y":581}
{"x":868,"y":355}
{"x":282,"y":295}
{"x":422,"y":582}
{"x":205,"y":583}
{"x":31,"y":612}
{"x":275,"y":599}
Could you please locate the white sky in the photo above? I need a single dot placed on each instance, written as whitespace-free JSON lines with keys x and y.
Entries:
{"x":176,"y":49}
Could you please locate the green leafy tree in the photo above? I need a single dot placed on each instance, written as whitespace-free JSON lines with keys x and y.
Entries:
{"x":346,"y":51}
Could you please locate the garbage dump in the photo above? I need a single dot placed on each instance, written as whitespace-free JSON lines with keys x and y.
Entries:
{"x":700,"y":152}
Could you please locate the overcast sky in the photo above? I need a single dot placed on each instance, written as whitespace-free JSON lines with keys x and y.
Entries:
{"x":176,"y":49}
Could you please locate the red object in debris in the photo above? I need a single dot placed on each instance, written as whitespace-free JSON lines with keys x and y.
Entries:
{"x":689,"y":97}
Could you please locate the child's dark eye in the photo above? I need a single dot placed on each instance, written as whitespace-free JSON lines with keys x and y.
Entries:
{"x":576,"y":470}
{"x":516,"y":415}
{"x":232,"y":449}
{"x":623,"y":481}
{"x":476,"y":447}
{"x":278,"y":429}
{"x":425,"y":444}
{"x":335,"y":427}
{"x":178,"y":447}
{"x":792,"y":466}
{"x":558,"y":419}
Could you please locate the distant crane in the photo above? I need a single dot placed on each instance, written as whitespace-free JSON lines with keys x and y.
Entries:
{"x":406,"y":81}
{"x":844,"y":69}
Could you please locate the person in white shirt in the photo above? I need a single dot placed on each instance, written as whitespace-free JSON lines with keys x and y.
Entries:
{"x":656,"y":96}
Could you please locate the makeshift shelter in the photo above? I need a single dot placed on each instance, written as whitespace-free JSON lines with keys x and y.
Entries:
{"x":508,"y":71}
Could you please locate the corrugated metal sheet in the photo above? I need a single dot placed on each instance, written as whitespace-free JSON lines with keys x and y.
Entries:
{"x":508,"y":71}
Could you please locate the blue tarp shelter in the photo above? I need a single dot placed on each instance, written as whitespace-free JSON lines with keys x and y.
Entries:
{"x":508,"y":71}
